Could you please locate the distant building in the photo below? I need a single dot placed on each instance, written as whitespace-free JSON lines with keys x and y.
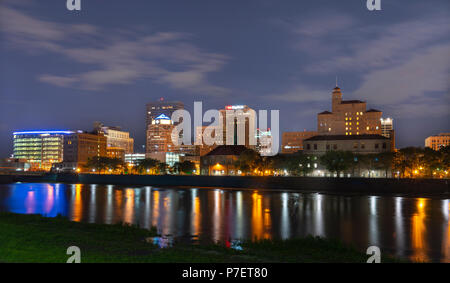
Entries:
{"x":387,"y":126}
{"x":116,"y":138}
{"x":348,"y":117}
{"x":360,"y":144}
{"x":115,"y":152}
{"x":243,"y":129}
{"x":80,"y":147}
{"x":292,"y":142}
{"x":264,"y":142}
{"x":159,"y":135}
{"x":437,"y":142}
{"x":41,"y":149}
{"x":157,"y":130}
{"x":134,"y":158}
{"x":9,"y":165}
{"x":221,"y":160}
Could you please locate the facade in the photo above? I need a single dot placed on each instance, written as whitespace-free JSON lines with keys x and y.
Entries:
{"x":155,"y":109}
{"x":159,"y":136}
{"x":348,"y":117}
{"x":115,"y":137}
{"x":9,"y":165}
{"x":115,"y":152}
{"x":387,"y":126}
{"x":244,"y":124}
{"x":134,"y":158}
{"x":221,"y":160}
{"x":41,"y":149}
{"x":361,"y":144}
{"x":437,"y":142}
{"x":80,"y":147}
{"x":292,"y":142}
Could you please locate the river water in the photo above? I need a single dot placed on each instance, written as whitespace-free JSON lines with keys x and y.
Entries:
{"x":416,"y":228}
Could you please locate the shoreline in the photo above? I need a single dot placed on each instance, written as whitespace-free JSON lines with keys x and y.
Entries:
{"x":34,"y":238}
{"x":379,"y":186}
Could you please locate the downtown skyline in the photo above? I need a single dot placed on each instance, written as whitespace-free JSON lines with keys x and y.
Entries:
{"x":65,"y":70}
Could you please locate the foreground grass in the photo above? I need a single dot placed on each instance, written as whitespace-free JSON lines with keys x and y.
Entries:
{"x":32,"y":238}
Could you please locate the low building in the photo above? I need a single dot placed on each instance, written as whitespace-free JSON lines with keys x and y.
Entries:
{"x":9,"y":165}
{"x":116,"y":137}
{"x":439,"y":141}
{"x":292,"y":142}
{"x":41,"y":149}
{"x":115,"y":152}
{"x":359,"y":144}
{"x":221,"y":160}
{"x":79,"y":148}
{"x":134,"y":158}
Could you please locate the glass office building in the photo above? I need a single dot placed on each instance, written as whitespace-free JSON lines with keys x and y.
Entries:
{"x":40,"y":148}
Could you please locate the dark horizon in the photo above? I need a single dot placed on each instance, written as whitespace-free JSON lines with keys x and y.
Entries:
{"x":63,"y":70}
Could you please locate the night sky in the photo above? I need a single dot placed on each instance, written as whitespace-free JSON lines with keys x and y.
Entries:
{"x":62,"y":69}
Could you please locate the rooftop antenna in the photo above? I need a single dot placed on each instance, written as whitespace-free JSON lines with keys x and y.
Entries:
{"x":336,"y":81}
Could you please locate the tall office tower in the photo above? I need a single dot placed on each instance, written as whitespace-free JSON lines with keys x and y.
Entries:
{"x":40,"y":148}
{"x":387,"y":126}
{"x":348,"y":117}
{"x":439,"y":141}
{"x":80,"y":147}
{"x":159,"y":136}
{"x":116,"y":138}
{"x":242,"y":129}
{"x":162,"y":110}
{"x":293,"y":141}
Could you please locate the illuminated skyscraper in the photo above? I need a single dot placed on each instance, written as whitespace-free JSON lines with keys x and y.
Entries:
{"x":40,"y":148}
{"x":116,"y":138}
{"x":387,"y":126}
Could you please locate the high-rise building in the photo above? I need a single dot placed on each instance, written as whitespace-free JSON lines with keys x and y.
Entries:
{"x":116,"y":138}
{"x":387,"y":126}
{"x":40,"y":148}
{"x":80,"y":147}
{"x":243,"y":129}
{"x":292,"y":142}
{"x":159,"y":136}
{"x":348,"y":117}
{"x":159,"y":125}
{"x":437,"y":142}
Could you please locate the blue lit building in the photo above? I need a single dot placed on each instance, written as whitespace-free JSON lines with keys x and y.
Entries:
{"x":40,"y":148}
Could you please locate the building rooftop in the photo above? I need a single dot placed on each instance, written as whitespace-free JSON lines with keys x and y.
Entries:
{"x":325,"y":112}
{"x":352,"y":101}
{"x":345,"y":137}
{"x":373,"y":110}
{"x":228,"y":150}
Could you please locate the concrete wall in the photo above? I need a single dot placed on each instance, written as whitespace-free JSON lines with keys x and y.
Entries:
{"x":338,"y":185}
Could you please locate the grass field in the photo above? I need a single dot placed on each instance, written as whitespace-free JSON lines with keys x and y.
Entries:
{"x":33,"y":238}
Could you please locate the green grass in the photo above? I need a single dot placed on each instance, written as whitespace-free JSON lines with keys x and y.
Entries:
{"x":33,"y":238}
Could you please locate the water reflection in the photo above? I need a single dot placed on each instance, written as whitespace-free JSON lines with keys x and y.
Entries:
{"x":418,"y":228}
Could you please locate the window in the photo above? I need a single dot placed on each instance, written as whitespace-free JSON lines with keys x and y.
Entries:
{"x":363,"y":145}
{"x":355,"y":145}
{"x":308,"y":146}
{"x":376,"y":145}
{"x":384,"y":145}
{"x":315,"y":146}
{"x":334,"y":146}
{"x":328,"y":147}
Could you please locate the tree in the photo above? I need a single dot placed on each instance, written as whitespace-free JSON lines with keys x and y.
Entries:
{"x":248,"y":162}
{"x":337,"y":161}
{"x":148,"y":165}
{"x":187,"y":167}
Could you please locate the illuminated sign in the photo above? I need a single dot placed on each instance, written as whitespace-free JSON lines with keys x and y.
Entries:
{"x":162,"y":117}
{"x":234,"y":107}
{"x":44,"y":133}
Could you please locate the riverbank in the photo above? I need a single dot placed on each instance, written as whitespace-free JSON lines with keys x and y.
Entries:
{"x":419,"y":187}
{"x":33,"y":238}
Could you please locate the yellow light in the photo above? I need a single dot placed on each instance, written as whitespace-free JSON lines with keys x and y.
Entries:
{"x":78,"y":170}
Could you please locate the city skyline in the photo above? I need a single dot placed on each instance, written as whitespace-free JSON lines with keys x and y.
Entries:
{"x":70,"y":74}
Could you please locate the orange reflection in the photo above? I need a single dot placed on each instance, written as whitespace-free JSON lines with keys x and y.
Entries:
{"x":419,"y":232}
{"x":196,"y":217}
{"x":129,"y":206}
{"x":78,"y":204}
{"x":155,"y":212}
{"x":260,"y":219}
